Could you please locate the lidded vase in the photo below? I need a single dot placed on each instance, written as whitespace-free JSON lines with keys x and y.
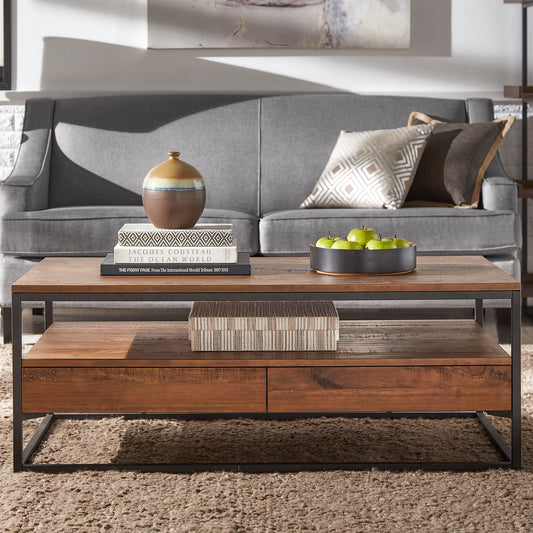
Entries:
{"x":173,"y":194}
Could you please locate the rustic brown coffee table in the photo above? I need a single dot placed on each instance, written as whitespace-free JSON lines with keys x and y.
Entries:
{"x":430,"y":368}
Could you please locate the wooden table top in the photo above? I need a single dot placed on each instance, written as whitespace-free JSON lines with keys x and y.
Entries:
{"x":69,"y":275}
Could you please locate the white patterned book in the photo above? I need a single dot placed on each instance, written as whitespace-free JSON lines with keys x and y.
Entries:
{"x":176,"y":254}
{"x":199,"y":235}
{"x":108,"y":267}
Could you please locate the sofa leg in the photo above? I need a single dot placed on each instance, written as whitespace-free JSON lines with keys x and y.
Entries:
{"x":6,"y":324}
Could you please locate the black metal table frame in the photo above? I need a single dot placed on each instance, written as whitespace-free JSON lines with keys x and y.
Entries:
{"x":22,"y":455}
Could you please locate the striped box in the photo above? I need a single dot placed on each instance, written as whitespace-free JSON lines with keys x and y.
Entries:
{"x":263,"y":326}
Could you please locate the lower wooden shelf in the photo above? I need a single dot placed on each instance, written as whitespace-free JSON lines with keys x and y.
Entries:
{"x":148,"y":367}
{"x":362,"y":343}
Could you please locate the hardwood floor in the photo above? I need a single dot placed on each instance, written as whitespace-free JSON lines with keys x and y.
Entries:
{"x":497,"y":322}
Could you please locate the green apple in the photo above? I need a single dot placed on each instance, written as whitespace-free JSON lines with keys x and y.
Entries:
{"x":362,"y":235}
{"x":343,"y":244}
{"x":380,"y":244}
{"x":324,"y":242}
{"x":401,"y":243}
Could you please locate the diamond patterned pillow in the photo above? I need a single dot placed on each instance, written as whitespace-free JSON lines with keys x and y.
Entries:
{"x":370,"y":169}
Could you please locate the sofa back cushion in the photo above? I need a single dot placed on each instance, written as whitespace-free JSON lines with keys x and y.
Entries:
{"x":299,"y":132}
{"x":104,"y":146}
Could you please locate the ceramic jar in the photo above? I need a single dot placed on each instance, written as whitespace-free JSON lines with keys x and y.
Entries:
{"x":173,"y":194}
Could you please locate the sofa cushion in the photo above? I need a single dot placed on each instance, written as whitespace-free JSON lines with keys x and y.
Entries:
{"x":455,"y":160}
{"x":434,"y":229}
{"x":102,"y":147}
{"x":299,"y":131}
{"x":93,"y":230}
{"x":370,"y":169}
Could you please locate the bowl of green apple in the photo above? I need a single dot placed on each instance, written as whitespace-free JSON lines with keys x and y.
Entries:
{"x":362,"y":251}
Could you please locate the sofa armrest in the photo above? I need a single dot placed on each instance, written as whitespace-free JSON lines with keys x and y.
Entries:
{"x":26,"y":188}
{"x":500,"y":193}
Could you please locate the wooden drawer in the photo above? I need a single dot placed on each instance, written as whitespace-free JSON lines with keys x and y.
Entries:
{"x":378,"y":389}
{"x":143,"y":390}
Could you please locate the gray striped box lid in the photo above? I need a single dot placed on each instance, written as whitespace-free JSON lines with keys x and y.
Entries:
{"x":265,"y":316}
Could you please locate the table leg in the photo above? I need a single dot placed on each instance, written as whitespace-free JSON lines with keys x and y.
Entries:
{"x":6,"y":323}
{"x":516,"y":433}
{"x":478,"y":312}
{"x":17,"y":382}
{"x":48,"y":313}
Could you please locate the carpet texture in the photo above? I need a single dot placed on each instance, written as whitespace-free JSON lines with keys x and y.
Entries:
{"x":369,"y":501}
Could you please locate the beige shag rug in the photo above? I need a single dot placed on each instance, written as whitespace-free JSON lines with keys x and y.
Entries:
{"x":494,"y":501}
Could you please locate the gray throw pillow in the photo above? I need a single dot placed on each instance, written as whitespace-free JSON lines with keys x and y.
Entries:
{"x":454,"y":162}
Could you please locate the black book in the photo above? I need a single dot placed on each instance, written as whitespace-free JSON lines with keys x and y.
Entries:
{"x":108,"y":267}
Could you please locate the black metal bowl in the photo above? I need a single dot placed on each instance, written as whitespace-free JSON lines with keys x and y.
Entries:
{"x":389,"y":261}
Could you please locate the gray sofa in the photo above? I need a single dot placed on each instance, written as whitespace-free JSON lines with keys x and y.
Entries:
{"x":82,"y":161}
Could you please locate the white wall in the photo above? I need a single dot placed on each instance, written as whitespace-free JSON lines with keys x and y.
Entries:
{"x":74,"y":47}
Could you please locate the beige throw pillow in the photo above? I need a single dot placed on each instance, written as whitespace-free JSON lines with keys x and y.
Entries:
{"x":370,"y":169}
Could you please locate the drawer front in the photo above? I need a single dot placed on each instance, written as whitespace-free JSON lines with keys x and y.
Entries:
{"x":378,"y":389}
{"x":144,"y":390}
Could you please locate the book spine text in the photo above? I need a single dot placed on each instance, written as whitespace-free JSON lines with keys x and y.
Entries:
{"x":171,"y":254}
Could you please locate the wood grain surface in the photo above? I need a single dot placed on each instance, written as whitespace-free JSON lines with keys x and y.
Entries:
{"x":143,"y":390}
{"x":361,"y":343}
{"x":378,"y":389}
{"x":269,"y":275}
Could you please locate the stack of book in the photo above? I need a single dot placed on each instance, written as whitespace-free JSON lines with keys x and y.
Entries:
{"x":143,"y":249}
{"x":263,"y":326}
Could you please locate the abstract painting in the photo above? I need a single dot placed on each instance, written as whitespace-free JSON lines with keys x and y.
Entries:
{"x":279,"y":24}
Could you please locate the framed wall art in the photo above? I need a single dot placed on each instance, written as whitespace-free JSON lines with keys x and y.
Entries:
{"x":366,"y":24}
